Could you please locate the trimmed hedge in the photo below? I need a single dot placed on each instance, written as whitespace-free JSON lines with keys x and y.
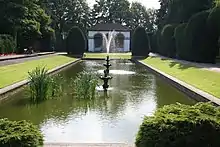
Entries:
{"x":76,"y":42}
{"x":140,"y":43}
{"x":168,"y":47}
{"x":19,"y":134}
{"x":181,"y":126}
{"x":197,"y":39}
{"x":213,"y":22}
{"x":7,"y":44}
{"x":179,"y":34}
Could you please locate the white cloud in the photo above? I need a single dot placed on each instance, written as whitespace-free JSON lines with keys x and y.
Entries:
{"x":147,"y":3}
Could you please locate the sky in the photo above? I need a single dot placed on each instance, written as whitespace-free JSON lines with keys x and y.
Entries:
{"x":147,"y":3}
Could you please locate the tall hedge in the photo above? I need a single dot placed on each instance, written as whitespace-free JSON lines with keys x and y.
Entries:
{"x":7,"y":44}
{"x":181,"y":48}
{"x":168,"y":47}
{"x":153,"y":43}
{"x":19,"y":134}
{"x":181,"y":126}
{"x":140,"y":43}
{"x":76,"y":42}
{"x":213,"y":22}
{"x":197,"y":39}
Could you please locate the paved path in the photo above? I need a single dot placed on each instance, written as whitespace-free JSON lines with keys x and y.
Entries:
{"x":205,"y":66}
{"x":15,"y":59}
{"x":89,"y":145}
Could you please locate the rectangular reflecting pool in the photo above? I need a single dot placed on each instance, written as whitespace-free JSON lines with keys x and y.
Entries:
{"x":110,"y":117}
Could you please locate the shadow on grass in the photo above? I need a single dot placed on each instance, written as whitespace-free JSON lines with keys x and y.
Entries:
{"x":180,"y":65}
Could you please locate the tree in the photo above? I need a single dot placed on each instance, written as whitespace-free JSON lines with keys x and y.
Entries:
{"x":151,"y":25}
{"x":65,"y":14}
{"x":76,"y":42}
{"x":139,"y":16}
{"x":110,"y":11}
{"x":140,"y":45}
{"x":24,"y":18}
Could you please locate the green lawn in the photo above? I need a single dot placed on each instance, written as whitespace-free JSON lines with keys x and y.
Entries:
{"x":208,"y":81}
{"x":17,"y":72}
{"x":112,"y":55}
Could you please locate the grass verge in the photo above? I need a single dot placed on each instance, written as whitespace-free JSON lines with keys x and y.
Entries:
{"x":14,"y":73}
{"x":112,"y":55}
{"x":208,"y":81}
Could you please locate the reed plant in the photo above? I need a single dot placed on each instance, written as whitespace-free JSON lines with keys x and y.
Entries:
{"x":43,"y":86}
{"x":85,"y":85}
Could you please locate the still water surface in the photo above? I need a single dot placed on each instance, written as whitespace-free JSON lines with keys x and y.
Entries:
{"x":112,"y":117}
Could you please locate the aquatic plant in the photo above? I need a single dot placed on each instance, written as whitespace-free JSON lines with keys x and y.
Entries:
{"x":19,"y":134}
{"x":42,"y":86}
{"x":85,"y":85}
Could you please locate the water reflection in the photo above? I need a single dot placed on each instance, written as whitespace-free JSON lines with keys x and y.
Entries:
{"x":110,"y":117}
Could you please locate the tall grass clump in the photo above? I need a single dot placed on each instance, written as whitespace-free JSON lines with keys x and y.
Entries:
{"x":42,"y":86}
{"x":85,"y":85}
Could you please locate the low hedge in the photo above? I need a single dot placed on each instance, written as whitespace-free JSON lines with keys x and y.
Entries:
{"x":181,"y":126}
{"x":19,"y":134}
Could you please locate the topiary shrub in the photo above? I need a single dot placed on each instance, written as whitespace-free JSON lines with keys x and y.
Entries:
{"x":153,"y":43}
{"x":75,"y":42}
{"x":198,"y":40}
{"x":181,"y":126}
{"x":140,"y":43}
{"x":179,"y":34}
{"x":168,"y":47}
{"x":213,"y":22}
{"x":19,"y":134}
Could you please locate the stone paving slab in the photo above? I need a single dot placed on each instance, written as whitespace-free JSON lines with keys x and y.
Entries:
{"x":88,"y":145}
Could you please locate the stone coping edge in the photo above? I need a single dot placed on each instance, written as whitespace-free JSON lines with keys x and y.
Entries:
{"x":104,"y":59}
{"x":17,"y":85}
{"x":27,"y":56}
{"x":189,"y":90}
{"x":87,"y":145}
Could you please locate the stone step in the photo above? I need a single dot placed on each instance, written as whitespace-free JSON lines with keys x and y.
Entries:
{"x":87,"y":145}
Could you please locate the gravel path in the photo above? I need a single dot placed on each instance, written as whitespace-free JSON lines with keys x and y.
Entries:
{"x":205,"y":66}
{"x":21,"y":60}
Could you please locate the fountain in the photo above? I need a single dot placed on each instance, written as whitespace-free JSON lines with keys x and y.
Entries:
{"x":106,"y":76}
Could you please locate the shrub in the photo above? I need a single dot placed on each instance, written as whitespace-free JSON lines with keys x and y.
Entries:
{"x":19,"y":134}
{"x":140,"y":45}
{"x":197,"y":39}
{"x":213,"y":22}
{"x":76,"y":42}
{"x":85,"y":85}
{"x":7,"y":44}
{"x":168,"y":47}
{"x":179,"y":34}
{"x":181,"y":126}
{"x":42,"y":86}
{"x":153,"y":42}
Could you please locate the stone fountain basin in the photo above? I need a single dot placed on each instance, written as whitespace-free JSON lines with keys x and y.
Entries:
{"x":106,"y":78}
